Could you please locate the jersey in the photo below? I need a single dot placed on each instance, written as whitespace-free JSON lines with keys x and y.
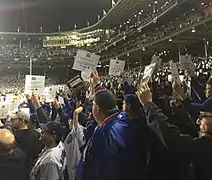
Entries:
{"x":73,"y":142}
{"x":50,"y":164}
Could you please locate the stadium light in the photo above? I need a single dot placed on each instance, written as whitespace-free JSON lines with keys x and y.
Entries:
{"x":193,"y":30}
{"x":170,"y":40}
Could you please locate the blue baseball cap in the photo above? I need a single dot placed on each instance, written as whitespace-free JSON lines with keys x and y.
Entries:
{"x":53,"y":127}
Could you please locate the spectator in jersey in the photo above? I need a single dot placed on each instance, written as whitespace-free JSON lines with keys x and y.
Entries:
{"x":12,"y":160}
{"x":52,"y":160}
{"x":73,"y":142}
{"x":28,"y":140}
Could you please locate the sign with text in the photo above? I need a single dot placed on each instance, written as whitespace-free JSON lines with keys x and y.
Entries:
{"x":187,"y":64}
{"x":76,"y":84}
{"x":85,"y":60}
{"x":34,"y":84}
{"x":50,"y":93}
{"x":148,"y":72}
{"x":174,"y":71}
{"x":116,"y":67}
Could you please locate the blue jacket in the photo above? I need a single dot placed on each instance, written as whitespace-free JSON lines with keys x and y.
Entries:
{"x":114,"y":152}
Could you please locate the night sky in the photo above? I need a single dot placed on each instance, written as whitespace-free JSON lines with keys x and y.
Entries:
{"x":49,"y":14}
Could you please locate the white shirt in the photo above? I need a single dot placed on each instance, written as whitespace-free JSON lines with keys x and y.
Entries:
{"x":73,"y":142}
{"x":50,"y":164}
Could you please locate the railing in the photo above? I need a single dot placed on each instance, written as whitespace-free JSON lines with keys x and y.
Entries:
{"x":144,"y":24}
{"x":139,"y":44}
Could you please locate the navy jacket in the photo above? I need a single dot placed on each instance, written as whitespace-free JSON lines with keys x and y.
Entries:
{"x":114,"y":152}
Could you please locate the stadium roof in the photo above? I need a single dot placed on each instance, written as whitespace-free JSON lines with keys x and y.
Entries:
{"x":32,"y":14}
{"x":121,"y":12}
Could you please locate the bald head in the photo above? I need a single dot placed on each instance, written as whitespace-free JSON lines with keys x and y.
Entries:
{"x":7,"y":141}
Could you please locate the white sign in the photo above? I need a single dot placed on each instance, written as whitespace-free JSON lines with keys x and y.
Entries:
{"x":148,"y":72}
{"x":158,"y":61}
{"x":116,"y":67}
{"x":86,"y":75}
{"x":50,"y":93}
{"x":34,"y":84}
{"x":174,"y":71}
{"x":85,"y":61}
{"x":75,"y":84}
{"x":4,"y":109}
{"x":186,"y":63}
{"x":61,"y":100}
{"x":127,"y":78}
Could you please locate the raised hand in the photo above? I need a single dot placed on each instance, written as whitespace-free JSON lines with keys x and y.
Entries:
{"x":78,"y":110}
{"x":56,"y":104}
{"x":94,"y":78}
{"x":28,"y":96}
{"x":177,"y":88}
{"x":144,"y":94}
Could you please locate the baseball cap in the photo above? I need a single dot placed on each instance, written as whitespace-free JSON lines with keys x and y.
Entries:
{"x":53,"y":127}
{"x":105,"y":99}
{"x":22,"y":113}
{"x":204,"y":107}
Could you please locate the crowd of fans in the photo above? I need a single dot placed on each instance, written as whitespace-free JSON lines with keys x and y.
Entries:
{"x":116,"y":132}
{"x":14,"y":84}
{"x":110,"y":128}
{"x":22,"y":51}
